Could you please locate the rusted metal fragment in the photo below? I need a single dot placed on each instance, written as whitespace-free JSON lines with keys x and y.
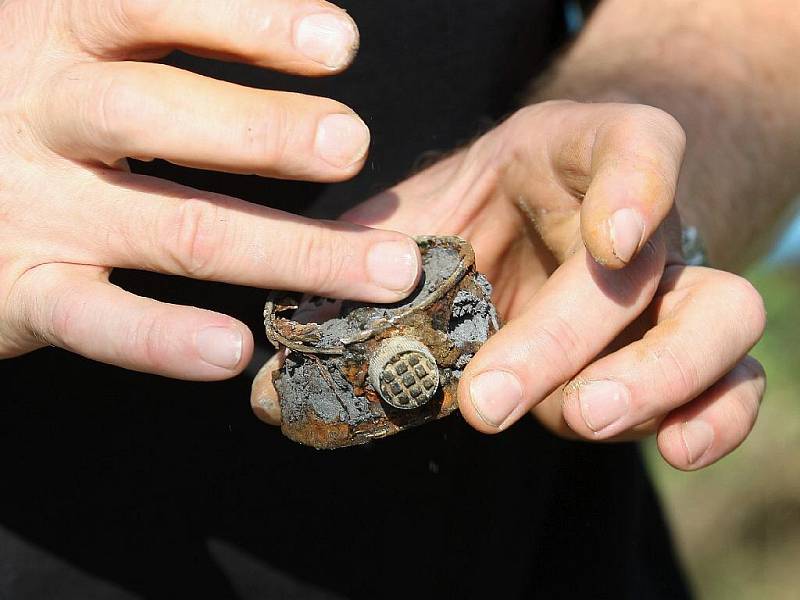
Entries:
{"x":328,"y":399}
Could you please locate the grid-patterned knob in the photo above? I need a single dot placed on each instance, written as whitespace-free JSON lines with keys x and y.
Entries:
{"x":404,"y":373}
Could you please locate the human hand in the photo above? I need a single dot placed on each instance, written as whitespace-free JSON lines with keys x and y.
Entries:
{"x":75,"y":102}
{"x":608,"y":335}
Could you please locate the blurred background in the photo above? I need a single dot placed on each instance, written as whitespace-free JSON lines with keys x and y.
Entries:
{"x":737,"y":523}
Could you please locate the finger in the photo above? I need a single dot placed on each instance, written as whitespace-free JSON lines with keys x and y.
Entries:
{"x":263,"y":395}
{"x":308,"y":37}
{"x":634,"y":162}
{"x":108,"y":111}
{"x":75,"y":308}
{"x":577,"y":313}
{"x":624,"y":160}
{"x":707,"y":321}
{"x":145,"y":223}
{"x":715,"y":424}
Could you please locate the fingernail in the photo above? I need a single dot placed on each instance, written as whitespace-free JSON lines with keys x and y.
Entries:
{"x":342,"y":140}
{"x":220,"y":346}
{"x":495,"y":395}
{"x":697,"y":439}
{"x":394,"y":265}
{"x":603,"y":403}
{"x":627,"y":233}
{"x":327,"y":38}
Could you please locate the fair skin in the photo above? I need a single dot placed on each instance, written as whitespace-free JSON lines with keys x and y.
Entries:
{"x":623,"y":351}
{"x":75,"y":101}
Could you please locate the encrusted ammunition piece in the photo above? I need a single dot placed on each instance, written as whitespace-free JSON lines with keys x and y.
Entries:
{"x":369,"y":371}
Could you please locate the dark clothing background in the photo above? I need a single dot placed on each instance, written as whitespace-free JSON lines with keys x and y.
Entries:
{"x":122,"y":485}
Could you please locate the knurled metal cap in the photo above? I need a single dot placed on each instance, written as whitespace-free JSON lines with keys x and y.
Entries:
{"x":404,"y":372}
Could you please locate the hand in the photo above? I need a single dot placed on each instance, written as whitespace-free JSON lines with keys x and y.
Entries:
{"x":74,"y":103}
{"x":608,"y":335}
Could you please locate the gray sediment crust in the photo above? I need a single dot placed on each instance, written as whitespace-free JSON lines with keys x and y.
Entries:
{"x":472,"y":315}
{"x":318,"y":384}
{"x":303,"y":386}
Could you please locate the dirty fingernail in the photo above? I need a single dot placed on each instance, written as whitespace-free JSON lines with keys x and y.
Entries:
{"x":394,"y":265}
{"x":342,"y":140}
{"x":495,"y":395}
{"x":627,"y":233}
{"x":220,"y":346}
{"x":697,"y":439}
{"x":603,"y":403}
{"x":327,"y":38}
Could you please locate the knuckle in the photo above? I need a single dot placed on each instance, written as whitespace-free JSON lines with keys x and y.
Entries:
{"x":20,"y":315}
{"x":148,"y":340}
{"x":194,"y":234}
{"x":62,"y":326}
{"x":749,"y":305}
{"x":139,"y":14}
{"x":523,"y":117}
{"x":638,"y":118}
{"x":321,"y":259}
{"x":534,"y":111}
{"x":562,"y":345}
{"x":114,"y":111}
{"x":282,"y":132}
{"x":644,"y":115}
{"x":680,"y":374}
{"x":267,"y":135}
{"x":98,"y":28}
{"x":632,"y":119}
{"x":665,"y":123}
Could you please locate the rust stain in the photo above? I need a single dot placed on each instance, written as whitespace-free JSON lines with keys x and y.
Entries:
{"x":349,"y":365}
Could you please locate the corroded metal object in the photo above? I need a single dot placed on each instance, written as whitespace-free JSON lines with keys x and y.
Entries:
{"x":368,"y":371}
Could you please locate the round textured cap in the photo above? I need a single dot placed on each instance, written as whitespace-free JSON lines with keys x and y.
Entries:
{"x":404,"y":372}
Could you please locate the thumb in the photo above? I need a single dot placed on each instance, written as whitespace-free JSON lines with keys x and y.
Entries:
{"x":263,"y":395}
{"x":635,"y":163}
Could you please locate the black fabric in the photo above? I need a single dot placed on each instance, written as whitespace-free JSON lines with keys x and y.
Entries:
{"x":122,"y":485}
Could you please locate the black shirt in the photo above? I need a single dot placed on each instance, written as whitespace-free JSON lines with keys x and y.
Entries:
{"x":122,"y":485}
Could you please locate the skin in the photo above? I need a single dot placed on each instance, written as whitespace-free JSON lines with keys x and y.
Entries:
{"x":591,"y":328}
{"x":76,"y":100}
{"x":569,"y":205}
